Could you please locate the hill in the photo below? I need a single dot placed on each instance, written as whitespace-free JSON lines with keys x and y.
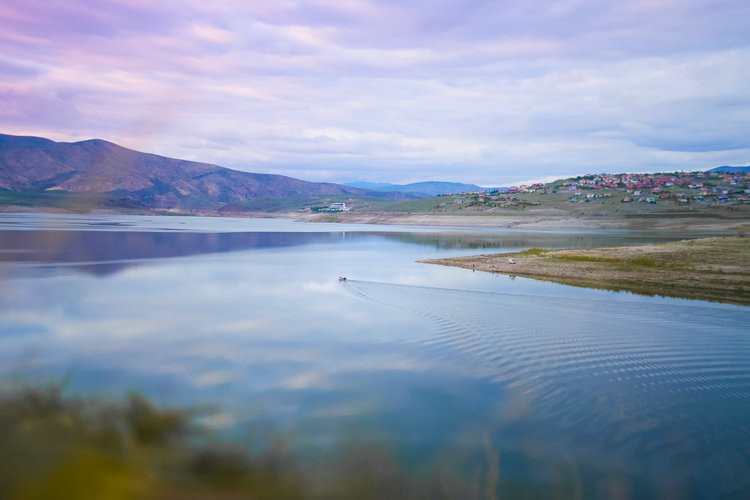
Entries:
{"x":135,"y":179}
{"x":423,"y":189}
{"x":729,"y":170}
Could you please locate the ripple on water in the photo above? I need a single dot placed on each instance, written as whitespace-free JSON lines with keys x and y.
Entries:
{"x":611,"y":368}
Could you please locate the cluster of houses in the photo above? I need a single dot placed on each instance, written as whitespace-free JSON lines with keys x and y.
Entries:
{"x":685,"y":187}
{"x":691,"y":180}
{"x":716,"y":187}
{"x":482,"y":197}
{"x":533,"y":188}
{"x":706,"y":188}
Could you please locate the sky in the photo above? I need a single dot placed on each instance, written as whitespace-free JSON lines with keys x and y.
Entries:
{"x":487,"y":92}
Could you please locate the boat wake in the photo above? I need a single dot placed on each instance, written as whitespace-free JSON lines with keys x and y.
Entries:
{"x":628,"y":360}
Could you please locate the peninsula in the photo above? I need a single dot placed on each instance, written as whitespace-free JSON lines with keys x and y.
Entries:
{"x":714,"y":269}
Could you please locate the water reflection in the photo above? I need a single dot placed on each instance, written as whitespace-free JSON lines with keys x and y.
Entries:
{"x":553,"y":392}
{"x":104,"y":252}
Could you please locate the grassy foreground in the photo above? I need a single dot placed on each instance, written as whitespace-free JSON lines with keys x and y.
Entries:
{"x":715,"y":269}
{"x":58,"y":447}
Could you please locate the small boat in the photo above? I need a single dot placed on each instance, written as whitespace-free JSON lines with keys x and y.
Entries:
{"x":511,"y":261}
{"x":342,"y":278}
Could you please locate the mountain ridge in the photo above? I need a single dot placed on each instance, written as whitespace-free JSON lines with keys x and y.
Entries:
{"x":730,"y":170}
{"x":29,"y":163}
{"x":425,"y":188}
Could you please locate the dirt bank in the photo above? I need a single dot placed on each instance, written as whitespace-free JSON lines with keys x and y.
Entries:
{"x":532,"y":221}
{"x":715,"y":269}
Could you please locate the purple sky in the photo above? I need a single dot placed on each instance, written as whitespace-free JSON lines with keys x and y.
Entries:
{"x":489,"y":92}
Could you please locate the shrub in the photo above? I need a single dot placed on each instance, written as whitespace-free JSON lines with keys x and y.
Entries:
{"x":535,"y":251}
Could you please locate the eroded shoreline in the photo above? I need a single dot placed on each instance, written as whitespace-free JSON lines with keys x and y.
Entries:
{"x":538,"y":221}
{"x":713,"y":269}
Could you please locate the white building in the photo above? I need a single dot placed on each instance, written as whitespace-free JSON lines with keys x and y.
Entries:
{"x":338,"y":207}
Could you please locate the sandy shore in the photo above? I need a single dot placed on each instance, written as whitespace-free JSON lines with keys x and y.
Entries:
{"x":479,"y":221}
{"x":532,"y":221}
{"x":715,"y":269}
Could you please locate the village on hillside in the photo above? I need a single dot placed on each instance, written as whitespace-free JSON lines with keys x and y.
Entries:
{"x":679,"y":188}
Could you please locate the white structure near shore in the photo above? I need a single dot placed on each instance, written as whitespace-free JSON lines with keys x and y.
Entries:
{"x":338,"y":207}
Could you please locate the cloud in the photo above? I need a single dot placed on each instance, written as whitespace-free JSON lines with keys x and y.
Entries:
{"x":467,"y":90}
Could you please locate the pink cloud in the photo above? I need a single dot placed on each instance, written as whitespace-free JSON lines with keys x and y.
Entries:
{"x":162,"y":76}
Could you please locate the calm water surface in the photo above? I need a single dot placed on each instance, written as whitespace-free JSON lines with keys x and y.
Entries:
{"x":577,"y":393}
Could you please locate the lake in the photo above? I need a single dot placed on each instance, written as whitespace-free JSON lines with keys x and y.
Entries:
{"x":562,"y":391}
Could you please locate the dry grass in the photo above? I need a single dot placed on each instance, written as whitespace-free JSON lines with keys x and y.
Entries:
{"x":715,"y":269}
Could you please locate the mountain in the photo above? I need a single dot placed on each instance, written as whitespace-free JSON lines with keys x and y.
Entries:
{"x":142,"y":179}
{"x":424,"y":189}
{"x":729,"y":170}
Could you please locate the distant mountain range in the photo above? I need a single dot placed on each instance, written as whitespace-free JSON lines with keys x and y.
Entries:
{"x":424,"y":189}
{"x":127,"y":178}
{"x":132,"y":178}
{"x":730,"y":170}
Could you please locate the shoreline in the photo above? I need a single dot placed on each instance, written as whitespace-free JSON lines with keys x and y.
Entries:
{"x":715,"y":269}
{"x":529,"y":221}
{"x":532,"y":220}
